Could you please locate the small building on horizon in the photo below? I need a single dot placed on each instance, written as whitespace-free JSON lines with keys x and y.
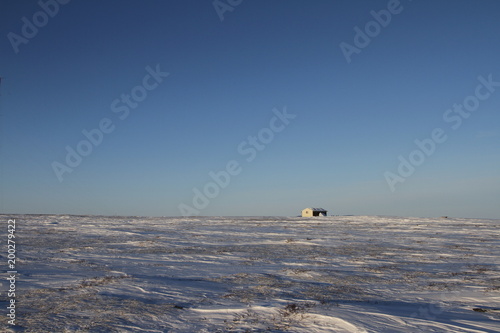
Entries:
{"x":310,"y":212}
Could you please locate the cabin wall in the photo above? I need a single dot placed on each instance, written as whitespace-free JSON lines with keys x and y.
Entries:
{"x":307,"y":213}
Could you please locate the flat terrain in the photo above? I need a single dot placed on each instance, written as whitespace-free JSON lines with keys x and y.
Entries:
{"x":254,"y":274}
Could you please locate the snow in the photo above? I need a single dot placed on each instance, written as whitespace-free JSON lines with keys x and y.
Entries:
{"x":255,"y":274}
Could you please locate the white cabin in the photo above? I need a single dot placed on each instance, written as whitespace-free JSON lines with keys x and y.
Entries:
{"x":310,"y":212}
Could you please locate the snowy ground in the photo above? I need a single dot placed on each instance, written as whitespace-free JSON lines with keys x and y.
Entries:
{"x":255,"y":274}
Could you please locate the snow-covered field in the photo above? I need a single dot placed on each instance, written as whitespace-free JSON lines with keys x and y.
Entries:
{"x":255,"y":274}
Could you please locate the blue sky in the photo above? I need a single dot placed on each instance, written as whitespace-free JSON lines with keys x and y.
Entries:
{"x":353,"y":120}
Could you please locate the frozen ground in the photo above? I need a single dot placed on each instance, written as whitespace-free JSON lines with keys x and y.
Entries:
{"x":263,"y":274}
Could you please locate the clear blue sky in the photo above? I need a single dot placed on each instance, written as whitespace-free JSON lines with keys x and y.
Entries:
{"x":353,"y":119}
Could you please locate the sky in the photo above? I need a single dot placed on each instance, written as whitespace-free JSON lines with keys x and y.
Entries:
{"x":250,"y":108}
